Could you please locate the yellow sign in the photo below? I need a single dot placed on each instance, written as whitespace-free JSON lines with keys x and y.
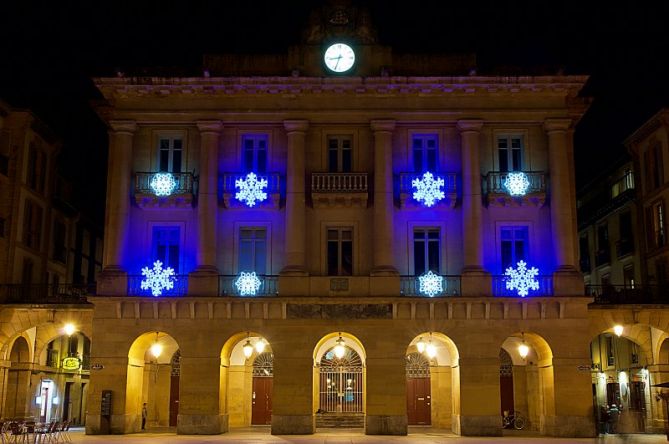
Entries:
{"x":71,"y":363}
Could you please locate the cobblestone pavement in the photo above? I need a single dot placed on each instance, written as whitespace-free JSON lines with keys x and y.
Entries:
{"x":421,"y":436}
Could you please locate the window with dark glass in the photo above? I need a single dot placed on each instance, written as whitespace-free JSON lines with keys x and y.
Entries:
{"x":426,"y":251}
{"x":32,"y":224}
{"x":253,"y":250}
{"x":166,"y":249}
{"x":340,"y":251}
{"x":655,"y":225}
{"x":3,"y":222}
{"x":654,"y":166}
{"x":425,"y":148}
{"x":628,"y":276}
{"x":171,"y":155}
{"x":36,"y":173}
{"x":510,"y":153}
{"x":254,"y":153}
{"x":626,"y":241}
{"x":59,"y":249}
{"x":4,"y":153}
{"x":340,"y":155}
{"x":514,"y":244}
{"x":603,"y":248}
{"x":584,"y":249}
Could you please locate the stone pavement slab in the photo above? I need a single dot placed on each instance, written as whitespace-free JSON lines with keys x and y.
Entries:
{"x":427,"y":436}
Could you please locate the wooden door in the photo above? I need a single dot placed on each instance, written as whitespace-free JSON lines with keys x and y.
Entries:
{"x":261,"y":398}
{"x":174,"y":400}
{"x":506,"y":392}
{"x":419,"y":401}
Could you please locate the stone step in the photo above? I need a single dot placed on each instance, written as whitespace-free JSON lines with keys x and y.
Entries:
{"x":348,"y":421}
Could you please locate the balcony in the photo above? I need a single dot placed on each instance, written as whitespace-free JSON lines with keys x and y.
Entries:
{"x":164,"y":190}
{"x":227,"y":286}
{"x":331,"y":190}
{"x":502,"y":189}
{"x":407,"y":189}
{"x":179,"y":286}
{"x":45,"y":293}
{"x":500,"y":289}
{"x":410,"y":286}
{"x":229,"y":190}
{"x":626,"y":294}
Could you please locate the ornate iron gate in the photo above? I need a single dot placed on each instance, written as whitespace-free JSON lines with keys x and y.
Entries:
{"x":341,"y":382}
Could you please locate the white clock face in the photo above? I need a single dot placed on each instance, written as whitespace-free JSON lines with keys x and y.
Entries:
{"x":339,"y":57}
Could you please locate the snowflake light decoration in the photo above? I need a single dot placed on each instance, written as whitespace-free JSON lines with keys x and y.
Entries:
{"x":428,"y":189}
{"x":430,"y":284}
{"x":248,"y":283}
{"x":251,"y":189}
{"x":517,"y":184}
{"x":521,"y":278}
{"x":163,"y":184}
{"x":158,"y":279}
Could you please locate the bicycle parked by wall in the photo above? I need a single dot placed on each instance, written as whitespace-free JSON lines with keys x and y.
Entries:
{"x":513,"y":420}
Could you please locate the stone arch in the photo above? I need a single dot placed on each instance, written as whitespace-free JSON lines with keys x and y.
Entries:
{"x":17,"y":391}
{"x":237,"y":379}
{"x":443,"y":386}
{"x":148,"y":379}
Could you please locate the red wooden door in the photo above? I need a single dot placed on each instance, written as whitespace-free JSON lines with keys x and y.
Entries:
{"x":506,"y":393}
{"x":261,"y":411}
{"x":419,"y":401}
{"x":174,"y":400}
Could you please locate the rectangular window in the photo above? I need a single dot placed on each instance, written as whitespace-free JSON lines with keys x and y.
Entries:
{"x":3,"y":222}
{"x":166,"y":246}
{"x":170,"y":154}
{"x":603,"y":248}
{"x":4,"y":153}
{"x":610,"y":358}
{"x":253,"y":250}
{"x":656,"y":225}
{"x":32,"y":224}
{"x":654,"y":166}
{"x":340,"y":155}
{"x":514,"y":244}
{"x":59,"y":249}
{"x":584,"y":249}
{"x":510,"y":153}
{"x":426,"y":250}
{"x":626,"y":240}
{"x":425,"y":148}
{"x":628,"y":276}
{"x":255,"y":153}
{"x":340,"y":251}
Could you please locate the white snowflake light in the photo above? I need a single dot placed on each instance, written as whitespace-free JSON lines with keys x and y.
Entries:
{"x":251,"y":189}
{"x":521,"y":278}
{"x":428,"y":189}
{"x":430,"y":284}
{"x":248,"y":283}
{"x":163,"y":184}
{"x":158,"y":279}
{"x":517,"y":184}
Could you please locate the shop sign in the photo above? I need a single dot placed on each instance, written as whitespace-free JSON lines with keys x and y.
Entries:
{"x":71,"y":363}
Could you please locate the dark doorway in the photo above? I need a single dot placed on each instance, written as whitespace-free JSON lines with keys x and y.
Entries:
{"x":506,"y":383}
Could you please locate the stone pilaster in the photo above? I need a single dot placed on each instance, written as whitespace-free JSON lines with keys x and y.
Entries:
{"x":566,"y":279}
{"x":572,"y":411}
{"x":295,"y":199}
{"x":386,"y":396}
{"x":479,"y":397}
{"x":119,"y":177}
{"x":203,"y":281}
{"x":199,"y":397}
{"x":475,"y":281}
{"x":383,"y":198}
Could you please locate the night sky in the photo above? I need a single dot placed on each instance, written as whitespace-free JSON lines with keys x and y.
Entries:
{"x":50,"y":50}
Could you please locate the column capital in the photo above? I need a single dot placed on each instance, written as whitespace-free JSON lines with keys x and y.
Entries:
{"x":123,"y":126}
{"x":551,"y":125}
{"x":470,"y":125}
{"x":209,"y":126}
{"x":296,"y":126}
{"x":382,"y":125}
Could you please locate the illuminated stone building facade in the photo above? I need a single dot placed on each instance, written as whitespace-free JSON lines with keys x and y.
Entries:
{"x":291,"y":245}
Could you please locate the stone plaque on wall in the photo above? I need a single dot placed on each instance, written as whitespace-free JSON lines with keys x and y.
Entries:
{"x":339,"y":311}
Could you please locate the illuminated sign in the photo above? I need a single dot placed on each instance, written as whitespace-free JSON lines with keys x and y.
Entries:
{"x":71,"y":363}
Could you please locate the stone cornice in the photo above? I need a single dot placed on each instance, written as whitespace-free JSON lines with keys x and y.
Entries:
{"x":551,"y":125}
{"x":296,"y":126}
{"x":469,"y":125}
{"x":209,"y":126}
{"x":383,"y":125}
{"x":123,"y":126}
{"x":114,"y":87}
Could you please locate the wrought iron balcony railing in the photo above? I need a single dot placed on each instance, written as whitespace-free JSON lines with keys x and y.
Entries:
{"x":495,"y":182}
{"x":183,"y":184}
{"x":227,"y":286}
{"x":45,"y":293}
{"x":628,"y":294}
{"x":179,"y":286}
{"x":339,"y":183}
{"x":499,"y":287}
{"x":410,"y":286}
{"x":229,"y":189}
{"x":450,"y":182}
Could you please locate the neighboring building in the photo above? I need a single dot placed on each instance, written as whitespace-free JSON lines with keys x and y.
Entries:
{"x":338,"y":236}
{"x":44,"y":373}
{"x":609,"y":236}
